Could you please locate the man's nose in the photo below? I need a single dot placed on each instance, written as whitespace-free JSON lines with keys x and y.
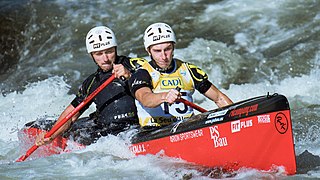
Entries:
{"x":163,"y":55}
{"x":105,"y":56}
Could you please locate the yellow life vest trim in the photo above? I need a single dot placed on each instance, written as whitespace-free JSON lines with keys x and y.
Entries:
{"x":199,"y":71}
{"x":139,"y":61}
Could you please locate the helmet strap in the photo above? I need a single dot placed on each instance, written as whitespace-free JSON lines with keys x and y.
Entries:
{"x":94,"y":60}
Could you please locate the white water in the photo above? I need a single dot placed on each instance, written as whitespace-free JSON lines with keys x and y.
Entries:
{"x":49,"y":98}
{"x":256,"y":27}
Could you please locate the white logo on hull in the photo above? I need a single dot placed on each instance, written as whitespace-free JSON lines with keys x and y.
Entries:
{"x":217,"y":140}
{"x":236,"y":126}
{"x":264,"y":119}
{"x":138,"y":148}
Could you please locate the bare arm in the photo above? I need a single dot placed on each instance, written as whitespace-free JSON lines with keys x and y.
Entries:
{"x":42,"y":141}
{"x":151,"y":100}
{"x":67,"y":125}
{"x":218,"y":97}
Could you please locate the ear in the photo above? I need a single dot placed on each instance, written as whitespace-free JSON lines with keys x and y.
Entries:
{"x":148,"y":50}
{"x":94,"y":59}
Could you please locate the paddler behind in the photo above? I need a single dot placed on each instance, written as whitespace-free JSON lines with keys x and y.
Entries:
{"x":154,"y":84}
{"x":115,"y":106}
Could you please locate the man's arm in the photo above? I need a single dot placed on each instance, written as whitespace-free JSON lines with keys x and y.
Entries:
{"x":204,"y":86}
{"x":42,"y":141}
{"x":151,"y":100}
{"x":217,"y":96}
{"x":141,"y":88}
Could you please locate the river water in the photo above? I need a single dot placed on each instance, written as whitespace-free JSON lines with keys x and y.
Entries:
{"x":247,"y":47}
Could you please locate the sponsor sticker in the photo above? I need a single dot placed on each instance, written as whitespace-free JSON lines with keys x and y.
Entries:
{"x":183,"y":72}
{"x":98,"y":45}
{"x":281,"y":123}
{"x":210,"y":121}
{"x":236,"y":126}
{"x":244,"y":111}
{"x":124,"y":115}
{"x":154,"y":75}
{"x":217,"y":140}
{"x":263,"y":119}
{"x":137,"y":82}
{"x":158,"y":37}
{"x":216,"y":114}
{"x":186,"y":136}
{"x":170,"y":82}
{"x":138,"y":148}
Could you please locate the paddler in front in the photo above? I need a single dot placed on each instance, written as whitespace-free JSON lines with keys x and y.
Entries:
{"x":115,"y":106}
{"x":154,"y":84}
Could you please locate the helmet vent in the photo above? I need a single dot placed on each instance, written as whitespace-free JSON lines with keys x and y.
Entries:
{"x":150,"y":34}
{"x":159,"y":29}
{"x":108,"y":32}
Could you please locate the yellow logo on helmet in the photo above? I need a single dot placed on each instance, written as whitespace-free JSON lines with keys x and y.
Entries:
{"x":170,"y":82}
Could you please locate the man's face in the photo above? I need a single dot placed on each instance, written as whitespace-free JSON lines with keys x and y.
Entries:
{"x":105,"y":58}
{"x":162,"y":54}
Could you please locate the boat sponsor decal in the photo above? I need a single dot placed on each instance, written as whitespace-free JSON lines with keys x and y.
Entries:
{"x":217,"y":119}
{"x":217,"y":140}
{"x":236,"y":126}
{"x":281,"y":123}
{"x":264,"y":119}
{"x":139,"y":148}
{"x":216,"y":116}
{"x":243,"y":111}
{"x":186,"y":136}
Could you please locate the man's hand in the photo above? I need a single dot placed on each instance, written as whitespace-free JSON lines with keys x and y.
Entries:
{"x":120,"y":71}
{"x":40,"y":140}
{"x":172,"y":96}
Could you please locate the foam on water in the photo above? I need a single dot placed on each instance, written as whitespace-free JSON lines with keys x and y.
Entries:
{"x":249,"y":28}
{"x":111,"y":154}
{"x":44,"y":98}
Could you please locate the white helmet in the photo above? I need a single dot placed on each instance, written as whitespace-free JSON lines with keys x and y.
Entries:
{"x":158,"y":33}
{"x":100,"y":38}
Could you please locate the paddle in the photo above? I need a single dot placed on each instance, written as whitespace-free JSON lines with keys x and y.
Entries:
{"x":188,"y":103}
{"x":70,"y":115}
{"x":194,"y":106}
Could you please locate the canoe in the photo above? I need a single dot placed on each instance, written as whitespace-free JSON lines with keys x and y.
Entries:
{"x":254,"y":133}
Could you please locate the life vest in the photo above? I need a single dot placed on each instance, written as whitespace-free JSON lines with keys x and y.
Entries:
{"x":114,"y":104}
{"x":162,"y":82}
